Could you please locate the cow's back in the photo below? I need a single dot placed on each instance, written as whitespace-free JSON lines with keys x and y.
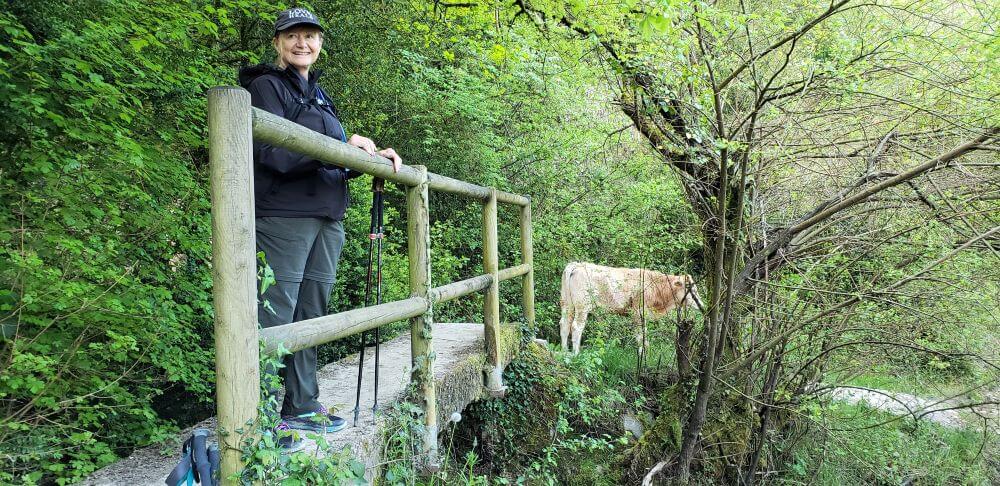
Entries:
{"x":595,"y":285}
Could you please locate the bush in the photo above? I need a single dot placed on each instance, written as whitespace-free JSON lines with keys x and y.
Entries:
{"x":552,"y":418}
{"x":104,"y":277}
{"x":849,"y":449}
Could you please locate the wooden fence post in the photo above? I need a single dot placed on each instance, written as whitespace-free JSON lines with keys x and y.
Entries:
{"x":421,"y":349}
{"x":527,"y":257}
{"x":234,"y":285}
{"x":491,"y":301}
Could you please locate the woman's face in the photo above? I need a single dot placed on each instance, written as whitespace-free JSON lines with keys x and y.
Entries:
{"x":299,"y":47}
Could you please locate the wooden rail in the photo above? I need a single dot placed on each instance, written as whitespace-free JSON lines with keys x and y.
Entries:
{"x":277,"y":131}
{"x":232,"y":126}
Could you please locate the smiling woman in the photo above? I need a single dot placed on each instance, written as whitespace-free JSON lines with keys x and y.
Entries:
{"x":299,"y":47}
{"x":300,"y":205}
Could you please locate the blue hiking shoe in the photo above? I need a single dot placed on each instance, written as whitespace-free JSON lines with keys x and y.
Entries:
{"x":321,"y":421}
{"x":287,"y":439}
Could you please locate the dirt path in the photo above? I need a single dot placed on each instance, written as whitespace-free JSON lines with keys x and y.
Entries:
{"x":946,"y":412}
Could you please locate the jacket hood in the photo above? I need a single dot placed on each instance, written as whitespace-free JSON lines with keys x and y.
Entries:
{"x":249,"y":73}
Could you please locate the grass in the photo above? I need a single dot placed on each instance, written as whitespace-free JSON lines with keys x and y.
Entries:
{"x":843,"y":446}
{"x":844,"y":451}
{"x":615,"y":335}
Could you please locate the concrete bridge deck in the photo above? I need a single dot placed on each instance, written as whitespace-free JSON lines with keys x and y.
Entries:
{"x":458,"y":372}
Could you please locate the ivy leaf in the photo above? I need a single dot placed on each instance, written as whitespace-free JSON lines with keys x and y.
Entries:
{"x":138,"y":43}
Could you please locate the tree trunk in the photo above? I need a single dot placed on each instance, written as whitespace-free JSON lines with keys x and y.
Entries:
{"x":682,"y":345}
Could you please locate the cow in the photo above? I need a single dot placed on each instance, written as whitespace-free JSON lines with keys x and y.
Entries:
{"x":586,"y":286}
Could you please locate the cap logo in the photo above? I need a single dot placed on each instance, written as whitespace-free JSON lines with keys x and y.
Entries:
{"x":300,"y":13}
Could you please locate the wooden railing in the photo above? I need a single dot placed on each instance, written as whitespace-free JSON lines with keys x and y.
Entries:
{"x":232,"y":126}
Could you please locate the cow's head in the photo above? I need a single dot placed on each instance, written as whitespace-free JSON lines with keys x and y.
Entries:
{"x":685,"y":286}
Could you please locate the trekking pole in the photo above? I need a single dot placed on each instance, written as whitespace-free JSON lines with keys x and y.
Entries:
{"x":378,"y":186}
{"x":373,"y":232}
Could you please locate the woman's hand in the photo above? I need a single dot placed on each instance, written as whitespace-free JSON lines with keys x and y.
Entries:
{"x":363,"y":143}
{"x":391,"y":154}
{"x":366,"y":144}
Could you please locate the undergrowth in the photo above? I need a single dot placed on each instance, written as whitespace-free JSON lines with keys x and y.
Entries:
{"x":554,"y":426}
{"x":847,"y":446}
{"x":265,"y":462}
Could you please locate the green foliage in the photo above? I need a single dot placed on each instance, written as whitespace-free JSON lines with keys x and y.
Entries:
{"x":104,"y":278}
{"x":265,"y":462}
{"x":105,"y":283}
{"x":403,"y":462}
{"x":848,"y":451}
{"x":105,"y":240}
{"x":555,"y":416}
{"x":444,"y":101}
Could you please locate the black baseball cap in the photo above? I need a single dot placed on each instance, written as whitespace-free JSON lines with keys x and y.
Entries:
{"x":293,"y":17}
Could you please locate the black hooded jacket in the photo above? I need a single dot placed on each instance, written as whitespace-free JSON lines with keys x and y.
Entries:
{"x":286,"y":183}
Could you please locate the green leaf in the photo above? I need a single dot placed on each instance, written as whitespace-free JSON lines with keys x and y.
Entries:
{"x":138,"y":43}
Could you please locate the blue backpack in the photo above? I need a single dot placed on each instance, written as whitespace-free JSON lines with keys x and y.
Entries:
{"x":199,"y":462}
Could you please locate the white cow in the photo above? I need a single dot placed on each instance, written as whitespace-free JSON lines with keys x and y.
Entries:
{"x":625,"y":291}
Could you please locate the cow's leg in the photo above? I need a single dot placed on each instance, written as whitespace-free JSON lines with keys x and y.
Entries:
{"x":564,"y":326}
{"x":579,"y":321}
{"x":642,"y":344}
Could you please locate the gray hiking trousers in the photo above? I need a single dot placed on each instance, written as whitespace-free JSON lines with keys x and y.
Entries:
{"x":303,"y":253}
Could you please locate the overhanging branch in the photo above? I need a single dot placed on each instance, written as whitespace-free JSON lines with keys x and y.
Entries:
{"x":841,"y":202}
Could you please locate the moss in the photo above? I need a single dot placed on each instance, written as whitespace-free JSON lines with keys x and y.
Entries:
{"x":729,"y":432}
{"x":591,"y":469}
{"x":508,"y":431}
{"x":462,"y":385}
{"x":510,"y":341}
{"x":464,"y":381}
{"x":663,"y":438}
{"x":546,"y":428}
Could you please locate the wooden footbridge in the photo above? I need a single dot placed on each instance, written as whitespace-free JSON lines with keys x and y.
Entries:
{"x":469,"y":352}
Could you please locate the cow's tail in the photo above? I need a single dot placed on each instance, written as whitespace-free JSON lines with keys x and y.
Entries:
{"x":566,"y":305}
{"x":565,"y":296}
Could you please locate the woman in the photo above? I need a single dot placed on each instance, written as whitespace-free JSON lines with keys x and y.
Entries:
{"x":300,"y":206}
